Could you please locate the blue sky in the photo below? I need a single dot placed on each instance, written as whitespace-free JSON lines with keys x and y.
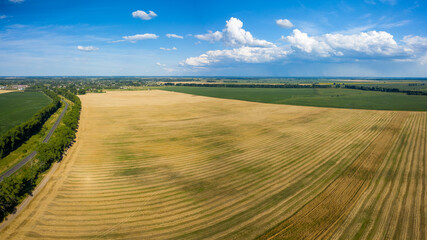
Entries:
{"x":371,"y":38}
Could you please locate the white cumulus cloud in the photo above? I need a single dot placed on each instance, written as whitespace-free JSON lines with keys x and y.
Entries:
{"x":210,"y":36}
{"x":246,"y":49}
{"x":370,"y":43}
{"x":171,"y":35}
{"x":143,"y":15}
{"x":87,"y":48}
{"x":137,"y":37}
{"x":234,"y":35}
{"x":358,"y":45}
{"x":308,"y":44}
{"x":242,"y":54}
{"x":284,"y":23}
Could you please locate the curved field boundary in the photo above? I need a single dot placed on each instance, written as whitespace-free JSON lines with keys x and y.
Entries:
{"x":34,"y":153}
{"x":316,"y":219}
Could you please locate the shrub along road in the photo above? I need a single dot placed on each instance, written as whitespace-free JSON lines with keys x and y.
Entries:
{"x":32,"y":154}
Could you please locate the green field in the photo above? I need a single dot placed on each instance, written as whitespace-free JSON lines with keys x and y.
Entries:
{"x":319,"y":97}
{"x":18,"y":107}
{"x":30,"y":145}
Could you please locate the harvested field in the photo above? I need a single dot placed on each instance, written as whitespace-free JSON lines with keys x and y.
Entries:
{"x":6,"y":91}
{"x":166,"y":165}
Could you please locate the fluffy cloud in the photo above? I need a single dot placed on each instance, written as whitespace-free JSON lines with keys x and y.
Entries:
{"x":247,"y":48}
{"x":87,"y":49}
{"x":143,"y":15}
{"x":161,"y":65}
{"x":308,"y":44}
{"x":234,"y":35}
{"x":210,"y":36}
{"x":168,"y":49}
{"x":241,"y":54}
{"x":137,"y":37}
{"x":370,"y":43}
{"x":171,"y":35}
{"x":284,"y":23}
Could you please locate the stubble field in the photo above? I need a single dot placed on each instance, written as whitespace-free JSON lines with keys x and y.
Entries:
{"x":165,"y":165}
{"x":6,"y":91}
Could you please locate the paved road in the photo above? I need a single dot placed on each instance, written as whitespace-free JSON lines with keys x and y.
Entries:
{"x":33,"y":154}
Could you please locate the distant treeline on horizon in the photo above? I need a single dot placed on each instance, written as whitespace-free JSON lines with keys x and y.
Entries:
{"x":232,"y":85}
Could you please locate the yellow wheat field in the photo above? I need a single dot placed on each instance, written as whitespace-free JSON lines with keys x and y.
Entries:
{"x":164,"y":165}
{"x":6,"y":91}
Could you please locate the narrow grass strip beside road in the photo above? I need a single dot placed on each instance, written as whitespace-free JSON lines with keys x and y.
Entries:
{"x":34,"y":153}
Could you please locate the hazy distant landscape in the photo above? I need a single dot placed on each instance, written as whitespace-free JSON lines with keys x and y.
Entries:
{"x":213,"y":119}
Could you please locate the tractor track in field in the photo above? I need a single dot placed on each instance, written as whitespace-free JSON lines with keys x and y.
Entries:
{"x":320,"y":215}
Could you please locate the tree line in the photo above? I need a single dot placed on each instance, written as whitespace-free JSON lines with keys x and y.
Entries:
{"x":16,"y":136}
{"x":383,"y":89}
{"x":249,"y":85}
{"x":15,"y":188}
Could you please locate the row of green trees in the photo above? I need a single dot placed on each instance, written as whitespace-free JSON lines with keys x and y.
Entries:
{"x":16,"y":136}
{"x":64,"y":135}
{"x":384,"y":89}
{"x":16,"y":187}
{"x":249,"y":85}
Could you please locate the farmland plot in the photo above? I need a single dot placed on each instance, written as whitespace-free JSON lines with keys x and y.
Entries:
{"x":18,"y":107}
{"x":164,"y":165}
